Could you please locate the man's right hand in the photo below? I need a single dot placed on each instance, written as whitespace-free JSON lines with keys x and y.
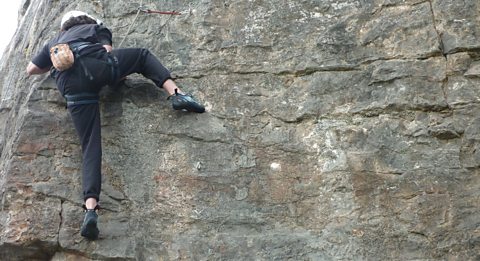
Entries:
{"x":108,"y":47}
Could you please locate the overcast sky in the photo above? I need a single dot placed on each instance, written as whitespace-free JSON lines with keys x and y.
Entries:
{"x":8,"y":21}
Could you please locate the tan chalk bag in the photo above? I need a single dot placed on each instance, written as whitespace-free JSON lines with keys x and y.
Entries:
{"x":62,"y":57}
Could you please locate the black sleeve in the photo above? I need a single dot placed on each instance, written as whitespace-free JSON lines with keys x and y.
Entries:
{"x":104,"y":35}
{"x":42,"y":59}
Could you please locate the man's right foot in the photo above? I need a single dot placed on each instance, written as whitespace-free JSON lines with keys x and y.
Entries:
{"x":185,"y":102}
{"x":89,"y":228}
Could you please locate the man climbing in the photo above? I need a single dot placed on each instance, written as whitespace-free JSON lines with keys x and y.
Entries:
{"x":83,"y":61}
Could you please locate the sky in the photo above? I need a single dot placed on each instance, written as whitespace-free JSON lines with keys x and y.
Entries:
{"x":8,"y":21}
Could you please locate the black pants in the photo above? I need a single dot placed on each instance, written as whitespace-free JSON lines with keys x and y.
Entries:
{"x":86,"y":117}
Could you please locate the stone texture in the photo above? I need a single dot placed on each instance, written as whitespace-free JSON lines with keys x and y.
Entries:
{"x":336,"y":130}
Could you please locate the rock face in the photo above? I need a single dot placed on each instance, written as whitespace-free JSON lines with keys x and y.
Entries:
{"x":336,"y":130}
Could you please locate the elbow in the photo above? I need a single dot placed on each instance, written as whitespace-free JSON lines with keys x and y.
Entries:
{"x":31,"y":69}
{"x":29,"y":72}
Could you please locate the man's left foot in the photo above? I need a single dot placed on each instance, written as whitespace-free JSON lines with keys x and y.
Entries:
{"x":89,"y":227}
{"x":185,"y":102}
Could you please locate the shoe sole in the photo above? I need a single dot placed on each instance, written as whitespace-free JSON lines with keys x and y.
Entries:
{"x":190,"y":108}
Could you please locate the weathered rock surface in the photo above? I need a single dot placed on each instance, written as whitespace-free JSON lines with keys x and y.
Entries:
{"x":336,"y":130}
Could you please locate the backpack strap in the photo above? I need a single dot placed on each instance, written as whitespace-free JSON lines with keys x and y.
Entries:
{"x":76,"y":47}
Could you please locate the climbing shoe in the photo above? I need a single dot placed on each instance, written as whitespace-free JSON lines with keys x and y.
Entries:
{"x":89,"y":228}
{"x":185,"y":102}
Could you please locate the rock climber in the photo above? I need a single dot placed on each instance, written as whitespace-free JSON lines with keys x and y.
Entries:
{"x":88,"y":63}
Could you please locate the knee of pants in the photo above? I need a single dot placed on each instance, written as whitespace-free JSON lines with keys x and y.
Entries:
{"x":144,"y":52}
